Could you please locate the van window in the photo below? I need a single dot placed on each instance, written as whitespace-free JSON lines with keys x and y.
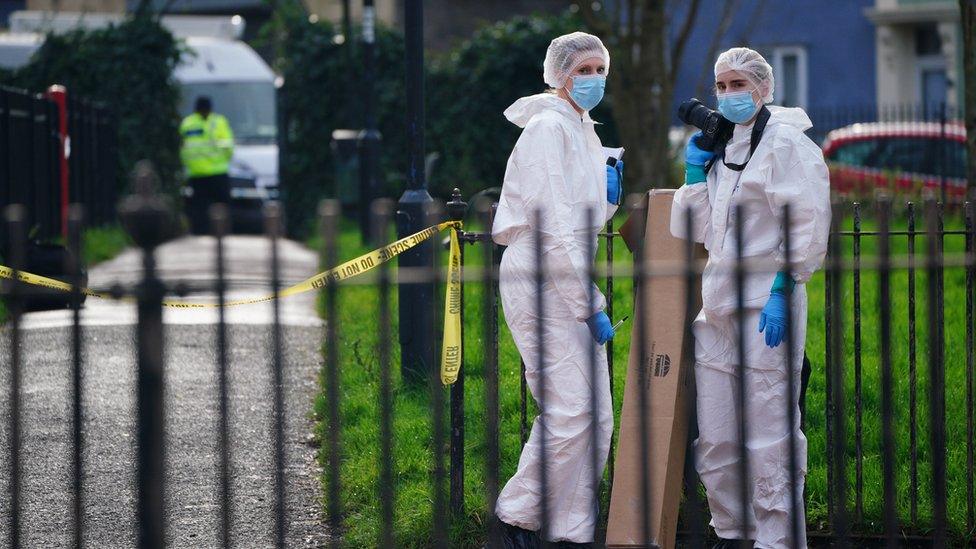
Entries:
{"x":249,"y":107}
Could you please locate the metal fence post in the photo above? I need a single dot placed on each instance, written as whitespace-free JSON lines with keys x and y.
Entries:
{"x":887,"y":379}
{"x":273,"y":229}
{"x":835,"y":368}
{"x":144,"y":216}
{"x":329,"y":213}
{"x":490,"y":334}
{"x":936,"y":372}
{"x":455,"y":210}
{"x":75,"y":221}
{"x":381,"y":213}
{"x":858,"y":406}
{"x":220,"y":225}
{"x":15,"y":218}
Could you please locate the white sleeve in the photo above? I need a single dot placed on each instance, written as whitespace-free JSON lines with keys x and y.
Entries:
{"x":541,"y":161}
{"x":799,"y":177}
{"x":693,"y":200}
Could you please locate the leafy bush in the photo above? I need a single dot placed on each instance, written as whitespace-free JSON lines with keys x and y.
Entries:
{"x":471,"y":86}
{"x":129,"y":68}
{"x":316,"y":99}
{"x":467,"y":89}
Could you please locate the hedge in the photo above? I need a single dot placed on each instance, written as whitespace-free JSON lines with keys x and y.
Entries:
{"x":467,"y":89}
{"x":316,"y":100}
{"x":129,"y":68}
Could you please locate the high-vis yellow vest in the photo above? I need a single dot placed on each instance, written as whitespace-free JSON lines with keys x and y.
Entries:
{"x":208,"y":144}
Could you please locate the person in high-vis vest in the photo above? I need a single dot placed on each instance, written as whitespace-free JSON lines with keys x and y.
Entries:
{"x":208,"y":144}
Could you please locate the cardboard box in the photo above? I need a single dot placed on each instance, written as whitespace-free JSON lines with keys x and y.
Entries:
{"x":669,"y":375}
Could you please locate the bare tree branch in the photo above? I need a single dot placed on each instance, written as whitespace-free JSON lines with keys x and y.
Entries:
{"x":679,"y":44}
{"x":725,"y":21}
{"x":753,"y":20}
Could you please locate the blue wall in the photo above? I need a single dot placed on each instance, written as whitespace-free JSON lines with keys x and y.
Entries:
{"x":838,"y":38}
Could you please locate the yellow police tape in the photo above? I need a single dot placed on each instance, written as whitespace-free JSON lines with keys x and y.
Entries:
{"x":451,"y":348}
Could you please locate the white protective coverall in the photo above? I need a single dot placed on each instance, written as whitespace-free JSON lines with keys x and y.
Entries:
{"x":787,"y":168}
{"x":557,"y":167}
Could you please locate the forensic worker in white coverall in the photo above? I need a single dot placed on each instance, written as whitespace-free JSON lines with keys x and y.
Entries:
{"x":558,"y":168}
{"x":781,"y":166}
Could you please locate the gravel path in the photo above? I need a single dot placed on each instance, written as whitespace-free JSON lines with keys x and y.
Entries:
{"x":191,"y":413}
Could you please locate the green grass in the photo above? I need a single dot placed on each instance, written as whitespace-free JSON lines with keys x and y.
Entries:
{"x":413,"y":454}
{"x":103,"y":243}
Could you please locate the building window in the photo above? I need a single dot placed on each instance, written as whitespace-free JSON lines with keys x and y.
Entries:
{"x":927,"y":40}
{"x":790,"y":70}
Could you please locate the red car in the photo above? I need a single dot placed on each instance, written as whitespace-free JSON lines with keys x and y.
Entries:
{"x":903,"y":157}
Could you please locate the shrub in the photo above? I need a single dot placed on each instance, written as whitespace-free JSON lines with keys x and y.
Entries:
{"x":316,"y":100}
{"x":129,"y":68}
{"x":467,"y":90}
{"x":471,"y":86}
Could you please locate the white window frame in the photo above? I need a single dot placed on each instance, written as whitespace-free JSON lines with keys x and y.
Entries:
{"x":800,"y":52}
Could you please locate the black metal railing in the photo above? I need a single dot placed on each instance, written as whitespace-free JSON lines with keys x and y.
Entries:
{"x":31,"y":167}
{"x":848,"y":521}
{"x":93,"y":159}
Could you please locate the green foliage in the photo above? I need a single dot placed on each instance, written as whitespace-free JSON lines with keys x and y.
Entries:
{"x":128,"y":68}
{"x":471,"y":86}
{"x":103,"y":243}
{"x":467,"y":90}
{"x":317,"y":99}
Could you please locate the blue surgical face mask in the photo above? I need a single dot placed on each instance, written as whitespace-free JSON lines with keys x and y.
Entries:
{"x":737,"y":107}
{"x":587,"y":90}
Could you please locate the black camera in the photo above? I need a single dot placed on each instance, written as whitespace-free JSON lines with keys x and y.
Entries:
{"x":716,"y":129}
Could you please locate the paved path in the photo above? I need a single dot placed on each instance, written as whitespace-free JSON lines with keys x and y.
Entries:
{"x":191,"y":408}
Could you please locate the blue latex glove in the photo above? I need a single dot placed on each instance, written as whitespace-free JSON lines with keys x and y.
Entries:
{"x":615,"y":183}
{"x":772,"y":319}
{"x":695,"y":161}
{"x":600,"y":327}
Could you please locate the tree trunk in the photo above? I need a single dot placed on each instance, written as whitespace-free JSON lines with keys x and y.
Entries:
{"x":967,"y":10}
{"x":642,"y":92}
{"x":642,"y":81}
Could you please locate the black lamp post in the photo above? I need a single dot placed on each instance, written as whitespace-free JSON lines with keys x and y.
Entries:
{"x":416,"y":298}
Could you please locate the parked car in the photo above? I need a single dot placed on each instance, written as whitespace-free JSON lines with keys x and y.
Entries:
{"x":903,"y":157}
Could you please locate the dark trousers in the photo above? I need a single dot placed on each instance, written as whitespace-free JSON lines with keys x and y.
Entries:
{"x":208,"y":190}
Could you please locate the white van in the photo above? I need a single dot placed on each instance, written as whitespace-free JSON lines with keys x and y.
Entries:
{"x":240,"y":84}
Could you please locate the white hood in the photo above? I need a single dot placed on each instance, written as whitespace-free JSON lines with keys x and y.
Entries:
{"x":521,"y":111}
{"x":791,"y":116}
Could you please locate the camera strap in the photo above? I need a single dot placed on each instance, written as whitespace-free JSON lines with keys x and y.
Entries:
{"x":757,"y":132}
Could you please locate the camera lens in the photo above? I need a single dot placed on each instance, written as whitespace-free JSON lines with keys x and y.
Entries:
{"x":686,"y":109}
